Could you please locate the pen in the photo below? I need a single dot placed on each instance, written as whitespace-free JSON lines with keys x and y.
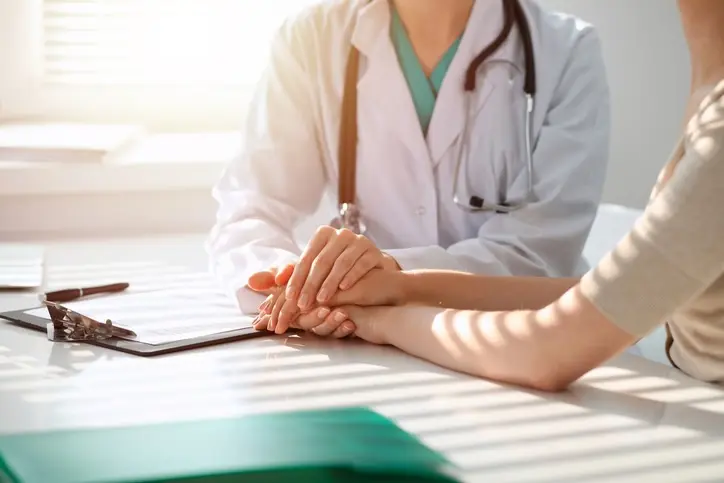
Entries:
{"x":70,"y":294}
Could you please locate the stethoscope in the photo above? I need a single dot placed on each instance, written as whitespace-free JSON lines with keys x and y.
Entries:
{"x":349,"y":214}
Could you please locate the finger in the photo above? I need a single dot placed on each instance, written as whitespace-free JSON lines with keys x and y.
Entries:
{"x":289,"y":311}
{"x":301,"y":271}
{"x":271,"y":300}
{"x":311,"y":319}
{"x":276,"y":309}
{"x":266,"y":304}
{"x":261,"y":322}
{"x":333,"y":321}
{"x":345,"y":330}
{"x":283,"y":276}
{"x":260,"y":281}
{"x":364,"y":265}
{"x":322,"y":266}
{"x":342,"y":266}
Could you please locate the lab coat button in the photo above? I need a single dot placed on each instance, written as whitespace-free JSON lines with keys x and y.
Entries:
{"x":421,"y":211}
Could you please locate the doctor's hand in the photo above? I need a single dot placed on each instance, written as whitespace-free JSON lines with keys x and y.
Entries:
{"x":333,"y":260}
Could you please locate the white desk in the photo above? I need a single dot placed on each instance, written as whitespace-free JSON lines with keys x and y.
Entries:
{"x":632,"y":420}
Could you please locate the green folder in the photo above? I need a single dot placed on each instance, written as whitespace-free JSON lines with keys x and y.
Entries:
{"x":345,"y":445}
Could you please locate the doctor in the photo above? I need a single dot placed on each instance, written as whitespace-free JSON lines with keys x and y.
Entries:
{"x":457,"y":134}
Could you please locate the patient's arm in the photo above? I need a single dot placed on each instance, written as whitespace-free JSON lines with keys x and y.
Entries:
{"x":456,"y":290}
{"x":466,"y":291}
{"x":545,"y":349}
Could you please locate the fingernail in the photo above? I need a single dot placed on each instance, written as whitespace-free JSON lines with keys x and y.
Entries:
{"x":323,"y":295}
{"x":270,"y":326}
{"x":344,"y":285}
{"x":339,"y":317}
{"x":348,"y":326}
{"x":303,"y":301}
{"x":263,"y":306}
{"x":323,"y":313}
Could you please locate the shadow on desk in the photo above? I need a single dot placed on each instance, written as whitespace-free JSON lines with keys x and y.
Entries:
{"x":658,"y":410}
{"x":630,"y":386}
{"x":265,"y":370}
{"x":631,"y":419}
{"x":631,"y":411}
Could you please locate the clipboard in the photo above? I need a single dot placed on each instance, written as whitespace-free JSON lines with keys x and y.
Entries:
{"x":22,"y":319}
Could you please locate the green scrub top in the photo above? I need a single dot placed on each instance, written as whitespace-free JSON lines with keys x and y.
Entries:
{"x":424,"y":90}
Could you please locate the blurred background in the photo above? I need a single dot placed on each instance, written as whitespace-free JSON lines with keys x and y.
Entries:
{"x":124,"y":112}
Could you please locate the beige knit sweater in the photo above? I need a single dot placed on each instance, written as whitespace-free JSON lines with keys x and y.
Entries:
{"x":670,"y":267}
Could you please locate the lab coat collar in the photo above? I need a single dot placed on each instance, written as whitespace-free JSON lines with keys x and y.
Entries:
{"x":382,"y":83}
{"x":371,"y":26}
{"x":384,"y":79}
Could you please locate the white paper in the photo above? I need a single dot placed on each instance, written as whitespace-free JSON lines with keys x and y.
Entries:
{"x":164,"y":316}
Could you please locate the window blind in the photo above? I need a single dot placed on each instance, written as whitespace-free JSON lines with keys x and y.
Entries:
{"x":159,"y":42}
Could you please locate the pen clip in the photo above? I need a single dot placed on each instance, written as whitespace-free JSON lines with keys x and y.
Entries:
{"x":66,"y":325}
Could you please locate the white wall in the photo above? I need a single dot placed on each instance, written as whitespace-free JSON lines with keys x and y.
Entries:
{"x":17,"y":53}
{"x":648,"y":69}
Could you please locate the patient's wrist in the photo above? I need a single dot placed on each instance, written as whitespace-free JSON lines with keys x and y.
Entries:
{"x":407,"y":290}
{"x":390,"y":263}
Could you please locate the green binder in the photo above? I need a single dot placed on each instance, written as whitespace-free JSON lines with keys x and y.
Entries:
{"x":340,"y":445}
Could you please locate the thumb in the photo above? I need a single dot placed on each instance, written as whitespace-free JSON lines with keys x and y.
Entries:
{"x":261,"y":281}
{"x":283,"y":276}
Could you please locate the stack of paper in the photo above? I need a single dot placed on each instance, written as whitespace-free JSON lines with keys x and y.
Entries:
{"x":21,"y":266}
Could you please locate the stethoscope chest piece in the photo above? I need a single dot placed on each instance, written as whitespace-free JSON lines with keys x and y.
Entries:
{"x":349,"y":218}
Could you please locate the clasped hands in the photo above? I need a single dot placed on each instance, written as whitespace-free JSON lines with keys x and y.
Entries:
{"x":337,"y":271}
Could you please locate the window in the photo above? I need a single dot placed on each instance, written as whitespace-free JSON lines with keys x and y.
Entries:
{"x":170,"y":63}
{"x":181,"y":71}
{"x":208,"y":43}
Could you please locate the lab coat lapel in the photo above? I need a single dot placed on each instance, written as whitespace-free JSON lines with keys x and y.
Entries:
{"x":382,"y":84}
{"x":451,"y":109}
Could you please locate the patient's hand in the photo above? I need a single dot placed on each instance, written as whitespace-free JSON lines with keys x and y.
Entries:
{"x":322,"y":321}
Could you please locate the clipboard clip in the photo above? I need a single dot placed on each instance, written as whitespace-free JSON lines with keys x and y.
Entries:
{"x":66,"y":325}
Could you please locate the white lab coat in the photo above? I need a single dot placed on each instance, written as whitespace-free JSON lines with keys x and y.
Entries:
{"x":404,"y":179}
